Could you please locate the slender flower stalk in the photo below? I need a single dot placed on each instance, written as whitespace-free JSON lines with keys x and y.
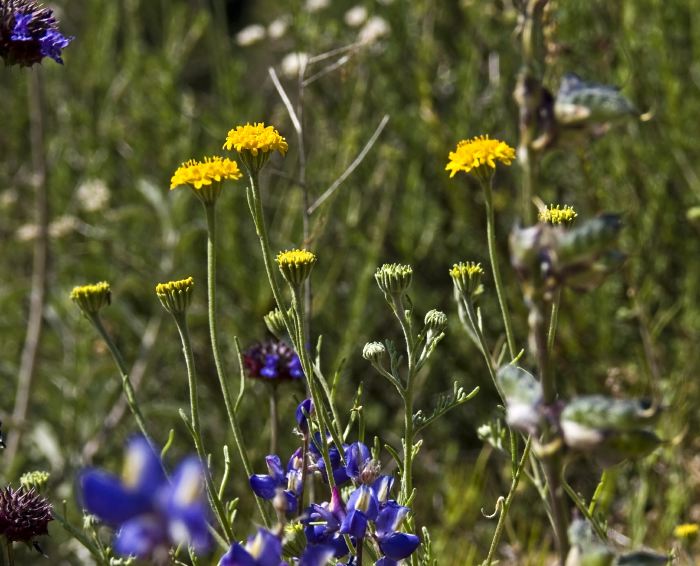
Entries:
{"x":210,"y":212}
{"x":493,"y":256}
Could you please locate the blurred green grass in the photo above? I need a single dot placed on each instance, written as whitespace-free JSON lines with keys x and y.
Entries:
{"x":147,"y":85}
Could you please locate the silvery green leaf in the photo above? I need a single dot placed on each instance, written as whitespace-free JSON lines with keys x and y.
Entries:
{"x":518,"y":385}
{"x":605,"y":413}
{"x":582,"y":103}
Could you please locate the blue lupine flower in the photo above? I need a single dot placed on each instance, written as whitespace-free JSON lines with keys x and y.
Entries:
{"x":358,"y":462}
{"x":362,"y":508}
{"x":150,"y":512}
{"x":322,"y":524}
{"x":28,"y":33}
{"x":303,"y":413}
{"x":272,"y":360}
{"x":289,"y":481}
{"x":263,"y":549}
{"x":317,"y":556}
{"x":340,"y":474}
{"x":394,"y":545}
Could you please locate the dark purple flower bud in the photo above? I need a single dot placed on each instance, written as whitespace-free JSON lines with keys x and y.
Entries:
{"x":303,"y":413}
{"x":23,"y":514}
{"x":273,"y":361}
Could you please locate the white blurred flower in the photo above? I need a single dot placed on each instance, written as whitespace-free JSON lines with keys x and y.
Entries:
{"x":27,"y":232}
{"x":375,"y":28}
{"x":62,"y":226}
{"x":250,"y":34}
{"x":316,"y":5}
{"x":356,"y":16}
{"x":93,"y":195}
{"x":278,"y":27}
{"x":293,"y":62}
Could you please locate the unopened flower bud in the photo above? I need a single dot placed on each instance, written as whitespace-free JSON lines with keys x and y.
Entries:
{"x":176,"y":296}
{"x":294,"y":541}
{"x":557,"y":214}
{"x":394,"y":278}
{"x":91,"y":298}
{"x":36,"y":480}
{"x":275,"y":324}
{"x":296,"y":265}
{"x":466,"y":277}
{"x":373,"y":352}
{"x":436,"y":322}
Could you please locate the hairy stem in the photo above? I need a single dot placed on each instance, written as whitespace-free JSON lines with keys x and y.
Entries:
{"x":210,"y":212}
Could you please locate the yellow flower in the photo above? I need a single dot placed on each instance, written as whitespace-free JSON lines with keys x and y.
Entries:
{"x":557,"y":214}
{"x":686,"y":530}
{"x":91,"y":298}
{"x":175,"y":296}
{"x":255,"y":138}
{"x":296,"y":265}
{"x":466,"y":277}
{"x":204,"y":177}
{"x":473,"y":155}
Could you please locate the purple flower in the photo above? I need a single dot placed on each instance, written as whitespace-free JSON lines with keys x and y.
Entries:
{"x":272,"y":360}
{"x":263,"y":549}
{"x":340,"y":474}
{"x":150,"y":513}
{"x":277,"y":479}
{"x":322,"y":524}
{"x":28,"y":33}
{"x":303,"y":413}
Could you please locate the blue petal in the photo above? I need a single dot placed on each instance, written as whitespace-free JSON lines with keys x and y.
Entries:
{"x":141,"y":536}
{"x":303,"y":411}
{"x":390,"y":517}
{"x":398,"y":546}
{"x":354,"y":524}
{"x":317,"y":555}
{"x":384,"y":561}
{"x":356,"y":458}
{"x":20,"y":31}
{"x":363,"y":499}
{"x":266,"y":548}
{"x":382,"y":487}
{"x":143,"y":470}
{"x":237,"y":556}
{"x":263,"y":485}
{"x":274,"y":468}
{"x":104,"y":495}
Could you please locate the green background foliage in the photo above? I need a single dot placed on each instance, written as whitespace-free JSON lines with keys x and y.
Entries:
{"x":149,"y":84}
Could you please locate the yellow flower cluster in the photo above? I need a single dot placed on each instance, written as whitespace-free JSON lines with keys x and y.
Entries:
{"x":296,"y":265}
{"x":255,"y":138}
{"x":91,"y":298}
{"x":200,"y":174}
{"x":557,"y":214}
{"x":466,"y":269}
{"x":180,"y":286}
{"x":466,"y":277}
{"x":686,"y":530}
{"x":296,"y":258}
{"x":477,"y":152}
{"x":175,"y":296}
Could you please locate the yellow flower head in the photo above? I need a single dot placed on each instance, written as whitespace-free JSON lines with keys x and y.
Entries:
{"x":557,"y":214}
{"x":91,"y":298}
{"x":175,"y":296}
{"x":254,"y":143}
{"x":686,"y":530}
{"x":296,"y":265}
{"x":394,"y":278}
{"x":466,"y":277}
{"x":472,"y":155}
{"x":205,"y":177}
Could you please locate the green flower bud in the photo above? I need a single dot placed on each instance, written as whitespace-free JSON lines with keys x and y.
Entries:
{"x":394,"y":278}
{"x":176,"y":296}
{"x":275,"y":324}
{"x":294,"y":540}
{"x":435,"y":321}
{"x":466,"y":277}
{"x":373,"y":352}
{"x":91,"y":298}
{"x":296,"y":265}
{"x":36,"y":480}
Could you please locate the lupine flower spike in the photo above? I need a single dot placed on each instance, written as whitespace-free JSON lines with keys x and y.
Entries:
{"x":28,"y":33}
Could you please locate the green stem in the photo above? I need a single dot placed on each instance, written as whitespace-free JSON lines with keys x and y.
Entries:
{"x":121,"y":366}
{"x":506,"y":505}
{"x":214,"y":499}
{"x":581,"y":505}
{"x":600,"y":488}
{"x":10,"y":553}
{"x":274,"y":419}
{"x":210,"y":212}
{"x":493,"y":257}
{"x":553,"y":320}
{"x":78,"y":535}
{"x":407,"y":475}
{"x":483,"y":347}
